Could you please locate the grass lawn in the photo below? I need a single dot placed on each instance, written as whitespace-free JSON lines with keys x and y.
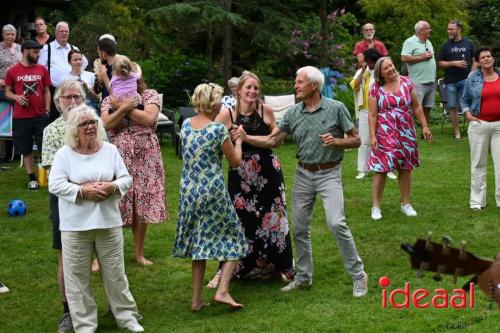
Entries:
{"x":440,"y":194}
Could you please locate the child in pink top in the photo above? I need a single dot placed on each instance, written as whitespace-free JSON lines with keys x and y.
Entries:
{"x":123,"y":83}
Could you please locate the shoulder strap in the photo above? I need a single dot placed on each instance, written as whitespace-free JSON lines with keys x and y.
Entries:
{"x":48,"y":56}
{"x":230,"y":109}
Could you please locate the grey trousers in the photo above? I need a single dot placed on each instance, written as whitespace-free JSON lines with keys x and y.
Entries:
{"x":77,"y":249}
{"x":328,"y":184}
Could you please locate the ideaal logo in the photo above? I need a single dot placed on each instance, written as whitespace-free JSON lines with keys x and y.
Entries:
{"x":422,"y":298}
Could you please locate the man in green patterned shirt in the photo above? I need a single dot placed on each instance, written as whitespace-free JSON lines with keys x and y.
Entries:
{"x":322,"y":129}
{"x":67,"y":95}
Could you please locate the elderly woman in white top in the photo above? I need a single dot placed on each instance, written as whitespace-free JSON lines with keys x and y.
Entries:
{"x":89,"y":177}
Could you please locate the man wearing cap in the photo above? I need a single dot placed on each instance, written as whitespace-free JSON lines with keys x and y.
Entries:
{"x":54,"y":56}
{"x":27,"y":84}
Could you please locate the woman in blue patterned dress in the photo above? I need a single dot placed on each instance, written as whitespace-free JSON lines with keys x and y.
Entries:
{"x":208,"y":226}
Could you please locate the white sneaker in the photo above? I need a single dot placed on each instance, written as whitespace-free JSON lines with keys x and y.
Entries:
{"x":136,"y":327}
{"x":360,"y":286}
{"x":3,"y":288}
{"x":391,"y":175}
{"x":475,"y":207}
{"x":295,"y":284}
{"x":361,"y":175}
{"x":376,"y":213}
{"x":408,"y":210}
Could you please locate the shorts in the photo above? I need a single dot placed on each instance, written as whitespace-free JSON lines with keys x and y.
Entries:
{"x":426,"y":93}
{"x":454,"y":93}
{"x":24,"y":129}
{"x":54,"y":217}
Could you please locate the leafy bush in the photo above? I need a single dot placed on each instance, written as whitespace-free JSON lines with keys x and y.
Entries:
{"x":174,"y":74}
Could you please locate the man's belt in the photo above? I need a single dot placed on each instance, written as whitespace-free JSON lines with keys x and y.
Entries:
{"x":318,"y":166}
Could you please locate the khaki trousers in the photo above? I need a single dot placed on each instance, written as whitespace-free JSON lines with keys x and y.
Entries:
{"x":77,"y":249}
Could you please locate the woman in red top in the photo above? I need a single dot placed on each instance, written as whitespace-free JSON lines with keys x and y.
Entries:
{"x":484,"y":126}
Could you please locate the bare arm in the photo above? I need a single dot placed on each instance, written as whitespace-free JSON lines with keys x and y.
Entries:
{"x":121,"y":109}
{"x":147,"y":117}
{"x":372,"y":120}
{"x":359,"y":78}
{"x":46,"y":98}
{"x":19,"y":99}
{"x":413,"y":59}
{"x":351,"y":141}
{"x":272,"y":140}
{"x":454,"y":63}
{"x":419,"y":113}
{"x":475,"y":65}
{"x":232,"y":152}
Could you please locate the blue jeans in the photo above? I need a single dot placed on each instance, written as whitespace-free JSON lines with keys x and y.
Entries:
{"x":328,"y":184}
{"x":454,"y":93}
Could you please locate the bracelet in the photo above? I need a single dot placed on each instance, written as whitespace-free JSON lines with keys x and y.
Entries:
{"x":115,"y":188}
{"x":80,"y":190}
{"x":237,"y":143}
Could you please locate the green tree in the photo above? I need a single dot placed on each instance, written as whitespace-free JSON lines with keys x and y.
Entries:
{"x":485,"y":31}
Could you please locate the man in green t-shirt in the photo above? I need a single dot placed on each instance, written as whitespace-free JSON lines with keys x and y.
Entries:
{"x":418,"y":53}
{"x":322,"y":129}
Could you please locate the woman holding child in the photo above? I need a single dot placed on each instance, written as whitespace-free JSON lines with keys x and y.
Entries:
{"x":133,"y":130}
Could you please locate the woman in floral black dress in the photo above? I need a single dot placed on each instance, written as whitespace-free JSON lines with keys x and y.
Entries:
{"x":257,"y":189}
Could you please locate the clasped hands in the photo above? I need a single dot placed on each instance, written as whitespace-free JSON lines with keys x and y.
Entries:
{"x":238,"y":133}
{"x":97,"y":191}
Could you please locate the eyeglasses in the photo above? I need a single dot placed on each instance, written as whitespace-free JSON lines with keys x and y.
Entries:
{"x":77,"y":98}
{"x":85,"y":124}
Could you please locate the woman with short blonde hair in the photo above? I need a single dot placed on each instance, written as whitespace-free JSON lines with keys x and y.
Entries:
{"x":208,"y":227}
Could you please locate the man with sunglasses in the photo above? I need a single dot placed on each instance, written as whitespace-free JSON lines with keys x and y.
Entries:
{"x":27,"y":84}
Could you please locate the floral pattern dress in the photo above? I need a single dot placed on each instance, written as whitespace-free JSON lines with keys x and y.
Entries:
{"x":396,"y":138}
{"x":257,"y":190}
{"x":208,"y":227}
{"x":140,"y":150}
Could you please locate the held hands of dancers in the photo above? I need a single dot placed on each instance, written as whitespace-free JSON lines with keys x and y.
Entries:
{"x":238,"y":134}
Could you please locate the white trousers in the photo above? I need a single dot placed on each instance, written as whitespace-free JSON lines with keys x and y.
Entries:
{"x":483,"y":136}
{"x":364,"y":135}
{"x":77,"y":249}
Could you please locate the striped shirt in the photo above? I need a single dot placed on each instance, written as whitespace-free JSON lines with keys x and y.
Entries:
{"x":305,"y":127}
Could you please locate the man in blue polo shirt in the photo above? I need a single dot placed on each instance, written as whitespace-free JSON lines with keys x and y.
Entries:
{"x":322,"y":129}
{"x":457,"y":58}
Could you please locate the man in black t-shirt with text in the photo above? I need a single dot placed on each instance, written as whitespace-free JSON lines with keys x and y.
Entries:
{"x":456,"y":57}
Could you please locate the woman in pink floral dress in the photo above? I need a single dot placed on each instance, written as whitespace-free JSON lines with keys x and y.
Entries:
{"x":133,"y":132}
{"x":392,"y":103}
{"x":257,"y":189}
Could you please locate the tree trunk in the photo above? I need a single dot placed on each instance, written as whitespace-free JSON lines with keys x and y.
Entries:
{"x":227,"y":57}
{"x":210,"y":51}
{"x":324,"y":33}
